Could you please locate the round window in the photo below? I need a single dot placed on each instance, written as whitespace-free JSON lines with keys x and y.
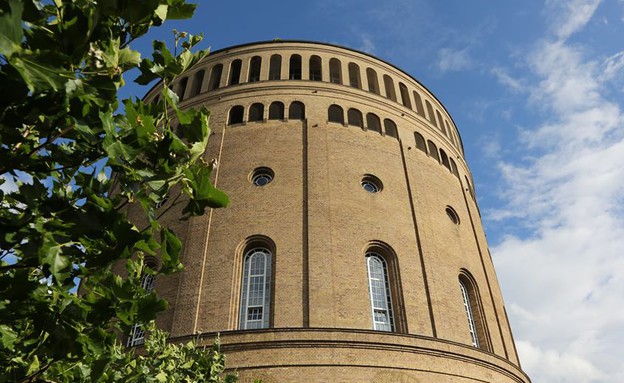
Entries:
{"x":262,"y":176}
{"x":371,"y":184}
{"x":452,"y":214}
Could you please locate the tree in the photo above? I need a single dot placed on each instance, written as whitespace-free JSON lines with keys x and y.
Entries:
{"x":61,"y":136}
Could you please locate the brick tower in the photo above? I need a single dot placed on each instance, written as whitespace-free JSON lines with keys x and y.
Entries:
{"x":353,"y":249}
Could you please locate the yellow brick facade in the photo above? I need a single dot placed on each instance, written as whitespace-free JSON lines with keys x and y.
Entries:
{"x":319,"y":222}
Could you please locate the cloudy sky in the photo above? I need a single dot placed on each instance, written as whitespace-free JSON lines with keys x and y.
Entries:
{"x":536,"y":89}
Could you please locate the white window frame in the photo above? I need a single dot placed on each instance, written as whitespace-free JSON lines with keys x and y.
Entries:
{"x":255,"y":290}
{"x":469,"y":314}
{"x":379,"y":293}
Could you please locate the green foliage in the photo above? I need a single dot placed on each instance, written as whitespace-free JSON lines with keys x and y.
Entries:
{"x":61,"y":135}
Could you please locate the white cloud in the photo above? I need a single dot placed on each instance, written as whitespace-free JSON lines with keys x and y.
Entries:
{"x":367,"y":45}
{"x":453,"y":60}
{"x":507,"y":80}
{"x":569,"y":16}
{"x":563,"y":281}
{"x":613,"y":65}
{"x":554,"y":366}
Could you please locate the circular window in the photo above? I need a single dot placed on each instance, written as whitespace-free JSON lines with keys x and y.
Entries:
{"x":371,"y":184}
{"x":452,"y":214}
{"x":262,"y":176}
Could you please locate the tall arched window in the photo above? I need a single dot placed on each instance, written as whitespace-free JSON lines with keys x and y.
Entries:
{"x":335,"y":114}
{"x":276,"y":111}
{"x":405,"y":98}
{"x":354,"y":117}
{"x":391,"y":128}
{"x":255,"y":289}
{"x":235,"y":71}
{"x":236,"y":115}
{"x":275,"y":67}
{"x":256,"y":112}
{"x":373,"y":83}
{"x":254,"y":68}
{"x":373,"y":122}
{"x":433,"y":150}
{"x":472,"y":306}
{"x":379,"y":292}
{"x":198,"y":80}
{"x":389,"y":84}
{"x":354,"y":76}
{"x":215,"y":77}
{"x":316,"y":73}
{"x":419,"y":105}
{"x":335,"y":71}
{"x":148,"y":281}
{"x":294,"y":69}
{"x":420,"y":142}
{"x":296,"y":111}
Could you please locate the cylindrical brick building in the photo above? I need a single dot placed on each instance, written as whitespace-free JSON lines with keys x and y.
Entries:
{"x":353,"y":249}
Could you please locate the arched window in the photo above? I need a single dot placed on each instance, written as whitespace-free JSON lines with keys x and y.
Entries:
{"x":391,"y":128}
{"x":235,"y":71}
{"x":215,"y":77}
{"x":472,"y":306}
{"x":379,"y":292}
{"x":373,"y":122}
{"x":354,"y":76}
{"x":405,"y":98}
{"x":335,"y":114}
{"x":454,"y":168}
{"x":148,"y":281}
{"x":198,"y":80}
{"x":254,"y":68}
{"x":236,"y":115}
{"x":420,"y":142}
{"x":441,"y":123}
{"x":316,"y":73}
{"x":294,"y":69}
{"x":445,"y":159}
{"x":296,"y":111}
{"x":256,"y":112}
{"x":373,"y":84}
{"x":181,"y":88}
{"x":275,"y":67}
{"x":335,"y":71}
{"x":354,"y":117}
{"x":432,"y":118}
{"x":255,"y":289}
{"x":276,"y":111}
{"x":389,"y":84}
{"x":419,"y":105}
{"x":433,"y":150}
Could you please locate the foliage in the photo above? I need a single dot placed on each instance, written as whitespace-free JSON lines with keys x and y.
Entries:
{"x":61,"y":135}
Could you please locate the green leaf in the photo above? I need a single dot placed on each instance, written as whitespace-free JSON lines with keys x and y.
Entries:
{"x":11,"y":29}
{"x":36,"y":74}
{"x":8,"y":337}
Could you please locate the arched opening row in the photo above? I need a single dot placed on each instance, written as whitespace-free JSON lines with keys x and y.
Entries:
{"x":276,"y":111}
{"x":253,"y":73}
{"x":429,"y":147}
{"x":335,"y":113}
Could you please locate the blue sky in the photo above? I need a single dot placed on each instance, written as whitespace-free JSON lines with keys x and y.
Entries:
{"x":536,"y":89}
